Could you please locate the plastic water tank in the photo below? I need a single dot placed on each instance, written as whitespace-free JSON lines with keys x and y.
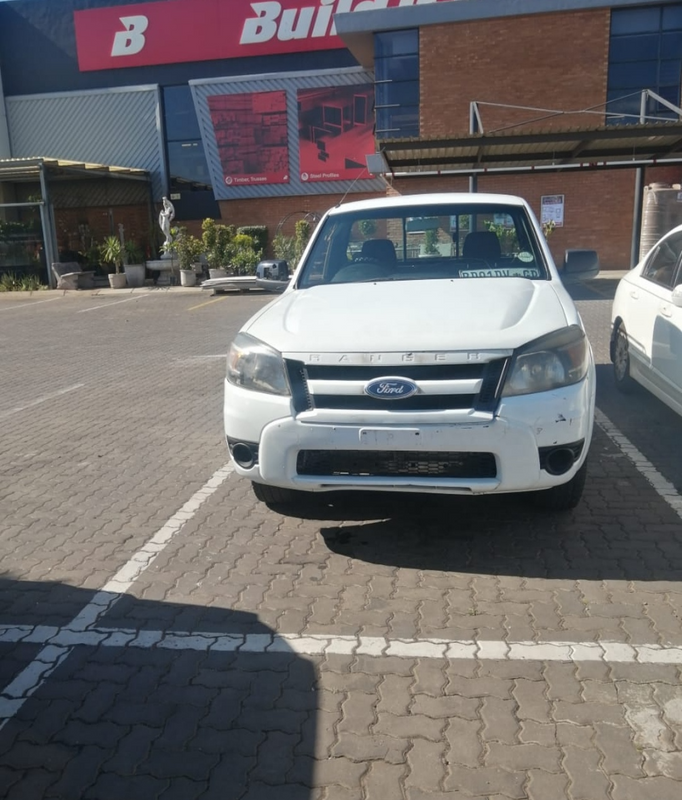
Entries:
{"x":662,"y":212}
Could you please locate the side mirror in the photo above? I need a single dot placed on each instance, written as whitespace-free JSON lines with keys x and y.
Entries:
{"x":677,"y":296}
{"x":580,"y":265}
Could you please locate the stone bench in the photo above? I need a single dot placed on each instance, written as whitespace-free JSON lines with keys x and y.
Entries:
{"x":70,"y":275}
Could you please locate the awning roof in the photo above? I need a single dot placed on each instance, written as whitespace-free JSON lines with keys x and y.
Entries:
{"x":509,"y":151}
{"x":28,"y":169}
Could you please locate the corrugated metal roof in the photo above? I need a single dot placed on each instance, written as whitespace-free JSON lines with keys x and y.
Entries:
{"x":28,"y":169}
{"x":586,"y":148}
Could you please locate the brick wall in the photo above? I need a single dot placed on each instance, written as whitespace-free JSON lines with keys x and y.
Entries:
{"x":99,"y":223}
{"x":544,"y":60}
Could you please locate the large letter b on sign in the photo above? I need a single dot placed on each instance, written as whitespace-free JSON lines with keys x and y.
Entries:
{"x":131,"y":40}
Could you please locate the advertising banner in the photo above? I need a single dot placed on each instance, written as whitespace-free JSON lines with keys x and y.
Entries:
{"x":251,"y":134}
{"x":176,"y":31}
{"x":335,"y":132}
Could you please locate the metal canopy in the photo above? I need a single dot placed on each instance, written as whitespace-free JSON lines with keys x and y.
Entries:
{"x":48,"y":172}
{"x":538,"y":150}
{"x":29,"y":169}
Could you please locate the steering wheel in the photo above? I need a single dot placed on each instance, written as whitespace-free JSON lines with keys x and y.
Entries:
{"x":365,"y":260}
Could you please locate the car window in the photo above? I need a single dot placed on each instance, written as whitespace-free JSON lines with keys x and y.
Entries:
{"x":425,"y":242}
{"x":663,"y":262}
{"x":677,"y":280}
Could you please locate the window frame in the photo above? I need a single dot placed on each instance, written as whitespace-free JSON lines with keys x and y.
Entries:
{"x":384,"y":128}
{"x":674,"y":242}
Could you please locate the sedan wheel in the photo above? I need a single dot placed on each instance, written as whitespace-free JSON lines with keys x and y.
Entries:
{"x":621,"y":361}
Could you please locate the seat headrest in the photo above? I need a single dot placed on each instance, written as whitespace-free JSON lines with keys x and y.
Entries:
{"x":482,"y":244}
{"x":381,"y":249}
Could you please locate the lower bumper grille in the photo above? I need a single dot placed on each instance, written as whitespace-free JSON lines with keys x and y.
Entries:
{"x":390,"y":463}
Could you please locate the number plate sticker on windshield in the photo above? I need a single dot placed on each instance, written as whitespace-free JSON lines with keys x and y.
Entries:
{"x":510,"y":272}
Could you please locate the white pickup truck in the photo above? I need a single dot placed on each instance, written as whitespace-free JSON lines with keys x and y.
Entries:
{"x":425,"y":343}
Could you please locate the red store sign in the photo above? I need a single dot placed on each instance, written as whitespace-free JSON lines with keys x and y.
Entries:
{"x":175,"y":31}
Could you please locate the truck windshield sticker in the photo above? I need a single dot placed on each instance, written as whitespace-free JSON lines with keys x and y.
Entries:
{"x":510,"y":272}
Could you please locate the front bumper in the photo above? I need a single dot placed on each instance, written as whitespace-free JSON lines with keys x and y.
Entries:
{"x":514,"y":436}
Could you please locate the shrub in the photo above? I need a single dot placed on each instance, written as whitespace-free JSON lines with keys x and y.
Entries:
{"x":368,"y":227}
{"x":187,"y":247}
{"x":259,"y":234}
{"x":290,"y":248}
{"x":111,"y":253}
{"x":31,"y":283}
{"x":243,"y":255}
{"x":133,"y":252}
{"x":9,"y":282}
{"x":216,"y":239}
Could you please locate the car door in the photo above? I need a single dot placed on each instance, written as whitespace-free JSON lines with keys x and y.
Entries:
{"x":668,"y":342}
{"x":648,"y":322}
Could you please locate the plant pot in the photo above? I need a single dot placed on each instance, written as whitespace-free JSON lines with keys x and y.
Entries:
{"x":217,"y":273}
{"x":188,"y":277}
{"x":117,"y":280}
{"x":135,"y":274}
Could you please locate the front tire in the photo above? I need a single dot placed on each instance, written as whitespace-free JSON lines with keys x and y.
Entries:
{"x":564,"y":497}
{"x":621,"y":361}
{"x":275,"y":495}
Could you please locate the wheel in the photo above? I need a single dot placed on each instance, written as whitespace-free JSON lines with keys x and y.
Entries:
{"x":275,"y":495}
{"x":564,"y":497}
{"x":621,"y":361}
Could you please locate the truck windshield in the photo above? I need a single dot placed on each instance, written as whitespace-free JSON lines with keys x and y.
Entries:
{"x":425,"y":242}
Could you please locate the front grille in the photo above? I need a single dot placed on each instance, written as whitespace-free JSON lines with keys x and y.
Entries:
{"x":489,"y":373}
{"x":418,"y":402}
{"x":387,"y":464}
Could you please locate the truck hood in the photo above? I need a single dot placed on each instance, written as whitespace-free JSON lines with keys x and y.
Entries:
{"x":424,"y":315}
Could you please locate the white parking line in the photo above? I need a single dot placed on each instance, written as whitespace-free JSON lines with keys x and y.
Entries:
{"x":113,"y":303}
{"x":69,"y":636}
{"x":661,"y":485}
{"x":25,"y":305}
{"x":13,"y":696}
{"x":8,"y":412}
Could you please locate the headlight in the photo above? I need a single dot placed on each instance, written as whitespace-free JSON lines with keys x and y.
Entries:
{"x":254,"y":365}
{"x":558,"y":359}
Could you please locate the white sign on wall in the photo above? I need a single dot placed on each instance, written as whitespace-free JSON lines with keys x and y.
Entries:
{"x":552,"y":209}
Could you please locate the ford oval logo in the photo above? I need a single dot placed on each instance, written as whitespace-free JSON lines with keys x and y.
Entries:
{"x":391,"y":388}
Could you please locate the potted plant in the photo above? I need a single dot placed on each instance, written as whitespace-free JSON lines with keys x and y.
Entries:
{"x":111,"y":253}
{"x":189,"y":250}
{"x":134,"y":266}
{"x":216,"y":240}
{"x":243,"y":255}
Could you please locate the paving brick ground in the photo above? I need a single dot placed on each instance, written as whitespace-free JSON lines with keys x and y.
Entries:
{"x":110,"y":413}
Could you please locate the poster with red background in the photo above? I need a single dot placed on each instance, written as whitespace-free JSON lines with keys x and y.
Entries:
{"x":335,"y":132}
{"x":251,"y":135}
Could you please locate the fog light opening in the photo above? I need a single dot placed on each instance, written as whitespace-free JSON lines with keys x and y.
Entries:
{"x":559,"y":461}
{"x":243,"y":455}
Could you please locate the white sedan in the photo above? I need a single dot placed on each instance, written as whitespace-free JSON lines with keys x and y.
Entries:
{"x":646,"y":338}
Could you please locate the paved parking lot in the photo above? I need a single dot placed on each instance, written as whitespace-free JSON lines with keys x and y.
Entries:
{"x":163,"y":635}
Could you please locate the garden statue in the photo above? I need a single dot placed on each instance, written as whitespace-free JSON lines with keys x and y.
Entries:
{"x":166,"y":216}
